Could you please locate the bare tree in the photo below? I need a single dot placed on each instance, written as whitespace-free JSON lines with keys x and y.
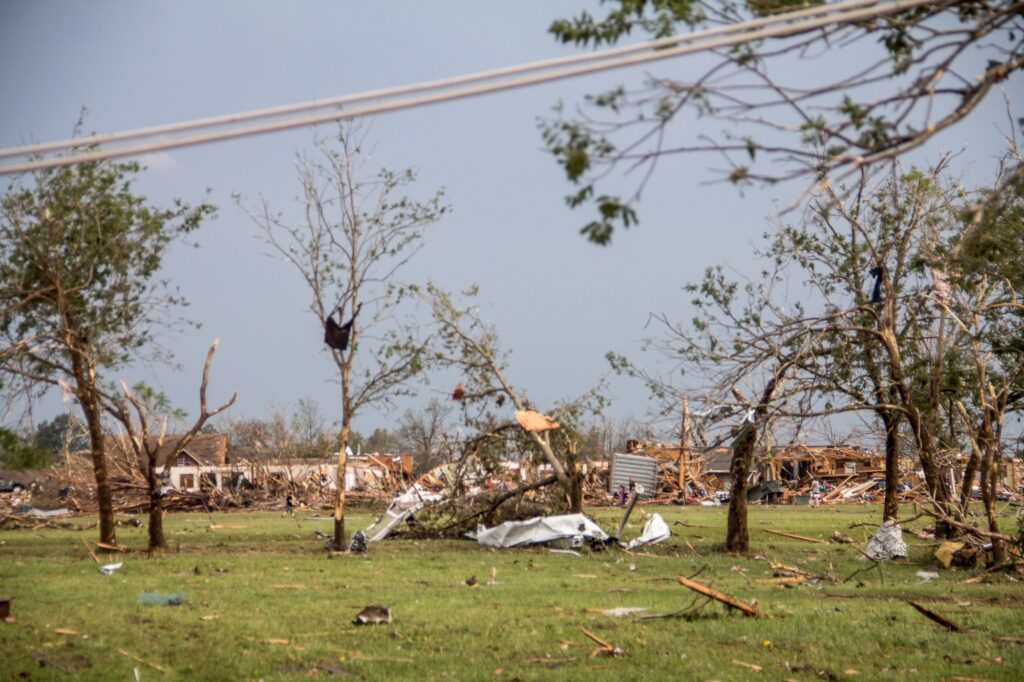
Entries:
{"x":356,"y":234}
{"x":423,"y":432}
{"x":136,"y":416}
{"x":308,"y":425}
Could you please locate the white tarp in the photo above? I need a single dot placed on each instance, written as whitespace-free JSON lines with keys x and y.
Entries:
{"x":538,"y":530}
{"x":655,"y":530}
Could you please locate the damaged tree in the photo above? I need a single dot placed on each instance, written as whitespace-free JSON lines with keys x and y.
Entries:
{"x":471,"y":347}
{"x":80,"y":294}
{"x":356,"y":234}
{"x":145,"y":444}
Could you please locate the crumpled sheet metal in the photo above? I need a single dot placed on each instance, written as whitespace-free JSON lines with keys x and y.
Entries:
{"x":655,"y":530}
{"x":538,"y":530}
{"x":401,"y":508}
{"x":887,"y":542}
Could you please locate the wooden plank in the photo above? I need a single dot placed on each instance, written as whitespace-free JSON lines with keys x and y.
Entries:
{"x":782,"y":580}
{"x":795,"y":536}
{"x":731,"y":602}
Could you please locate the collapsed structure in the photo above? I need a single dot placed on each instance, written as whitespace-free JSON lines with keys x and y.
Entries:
{"x":207,"y":474}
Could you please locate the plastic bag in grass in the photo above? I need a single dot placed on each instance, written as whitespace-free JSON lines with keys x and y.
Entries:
{"x":176,"y":599}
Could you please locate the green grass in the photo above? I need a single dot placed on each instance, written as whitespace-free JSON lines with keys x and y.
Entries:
{"x":265,"y":602}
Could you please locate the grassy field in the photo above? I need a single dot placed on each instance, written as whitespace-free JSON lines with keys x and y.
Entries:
{"x":263,"y":601}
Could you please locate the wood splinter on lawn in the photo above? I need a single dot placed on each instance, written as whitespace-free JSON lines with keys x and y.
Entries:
{"x":938,"y":618}
{"x":606,"y":648}
{"x":731,"y":602}
{"x":795,"y":536}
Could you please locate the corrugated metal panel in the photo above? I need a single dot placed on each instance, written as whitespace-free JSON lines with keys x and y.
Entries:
{"x":642,"y":469}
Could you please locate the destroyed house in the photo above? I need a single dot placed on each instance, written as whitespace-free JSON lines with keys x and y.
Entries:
{"x":797,"y":461}
{"x":188,"y":468}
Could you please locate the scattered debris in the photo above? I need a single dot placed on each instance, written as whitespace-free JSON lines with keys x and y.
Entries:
{"x":358,"y":543}
{"x":111,"y":548}
{"x":785,"y":571}
{"x":731,"y":602}
{"x":535,"y":421}
{"x":749,"y":666}
{"x":887,"y":542}
{"x":571,"y":552}
{"x":783,"y":580}
{"x":655,"y":530}
{"x":539,"y":530}
{"x":111,"y":569}
{"x":375,"y":614}
{"x":795,"y":536}
{"x":48,"y":513}
{"x":947,"y":551}
{"x":938,"y":618}
{"x":175,"y":599}
{"x":139,"y":659}
{"x":605,"y":648}
{"x":619,"y":611}
{"x":842,"y":539}
{"x":927,"y":575}
{"x":401,"y":508}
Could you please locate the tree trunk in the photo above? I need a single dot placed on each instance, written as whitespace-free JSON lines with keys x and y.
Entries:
{"x":156,"y":506}
{"x":922,"y":433}
{"x":967,"y":484}
{"x":575,"y":492}
{"x":989,"y":476}
{"x":339,"y":504}
{"x":737,"y":538}
{"x":89,"y":402}
{"x":891,"y":508}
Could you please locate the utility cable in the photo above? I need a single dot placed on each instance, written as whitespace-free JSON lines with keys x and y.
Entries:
{"x":781,"y":25}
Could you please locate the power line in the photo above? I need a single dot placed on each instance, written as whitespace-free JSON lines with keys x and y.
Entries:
{"x":459,"y":87}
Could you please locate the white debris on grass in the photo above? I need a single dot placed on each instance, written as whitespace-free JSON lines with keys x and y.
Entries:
{"x":655,"y":530}
{"x":887,"y":542}
{"x":539,"y":530}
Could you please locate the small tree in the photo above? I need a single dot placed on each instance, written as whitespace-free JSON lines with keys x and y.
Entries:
{"x":137,"y":410}
{"x":80,"y":294}
{"x":356,"y":235}
{"x":422,"y":433}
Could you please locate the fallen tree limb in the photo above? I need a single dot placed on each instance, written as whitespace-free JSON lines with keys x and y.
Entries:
{"x":985,"y":534}
{"x":938,"y":618}
{"x":731,"y":602}
{"x":501,"y":499}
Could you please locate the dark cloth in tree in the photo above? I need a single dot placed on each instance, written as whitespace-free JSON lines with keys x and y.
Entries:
{"x":876,"y":294}
{"x":336,"y":336}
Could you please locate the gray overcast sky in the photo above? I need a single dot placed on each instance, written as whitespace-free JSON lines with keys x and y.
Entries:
{"x":559,"y":303}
